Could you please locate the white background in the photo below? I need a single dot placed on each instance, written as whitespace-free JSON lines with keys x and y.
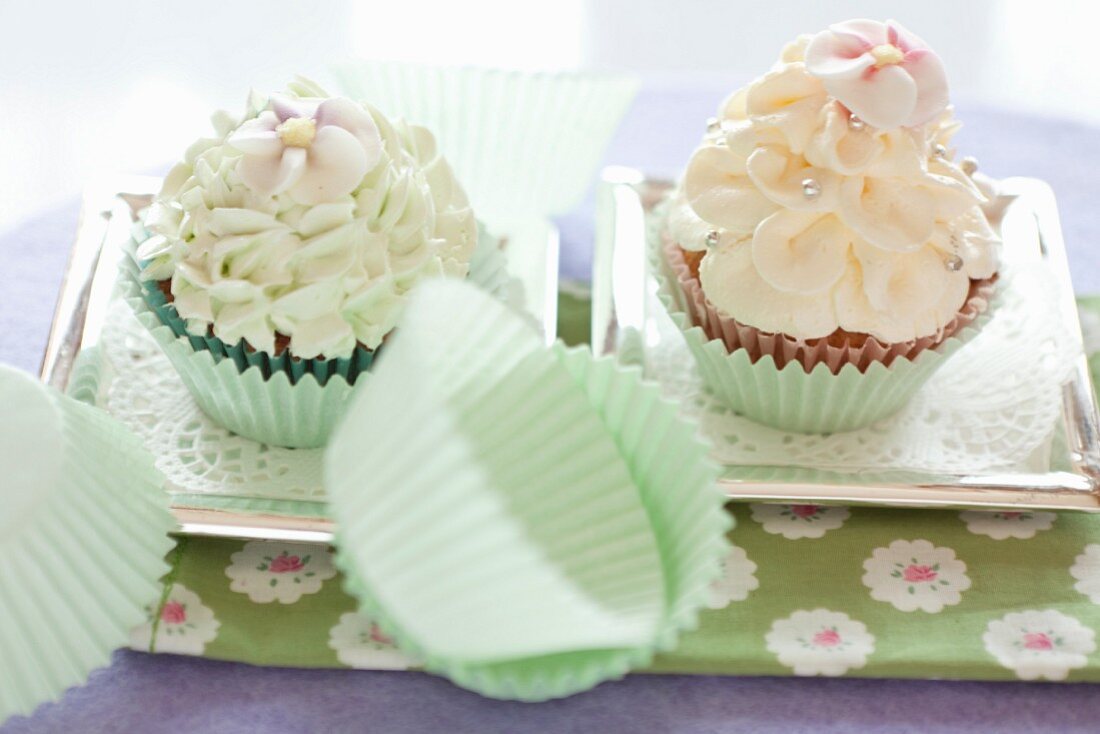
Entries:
{"x":125,"y":85}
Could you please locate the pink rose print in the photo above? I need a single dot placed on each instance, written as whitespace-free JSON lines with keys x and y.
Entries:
{"x":286,"y":564}
{"x":173,"y":613}
{"x":376,"y":635}
{"x":1038,"y":641}
{"x":881,"y":72}
{"x":805,"y":511}
{"x":918,"y":574}
{"x":827,"y":638}
{"x":1011,"y":515}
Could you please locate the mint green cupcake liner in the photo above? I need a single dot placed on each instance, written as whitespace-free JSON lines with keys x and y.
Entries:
{"x":791,"y":398}
{"x":504,"y":131}
{"x":267,"y":408}
{"x":529,"y":522}
{"x":816,"y":402}
{"x":83,"y":536}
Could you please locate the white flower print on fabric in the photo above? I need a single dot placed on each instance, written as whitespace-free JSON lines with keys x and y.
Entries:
{"x":268,"y":571}
{"x":1039,"y":644}
{"x":799,"y":521}
{"x":737,"y":580}
{"x":915,"y":575}
{"x":360,"y":644}
{"x":820,"y":642}
{"x":184,"y":626}
{"x":1086,"y":569}
{"x":1007,"y":524}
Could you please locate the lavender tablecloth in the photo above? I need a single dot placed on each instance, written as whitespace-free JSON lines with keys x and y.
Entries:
{"x":143,"y":693}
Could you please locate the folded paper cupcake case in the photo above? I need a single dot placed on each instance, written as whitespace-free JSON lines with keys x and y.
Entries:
{"x":532,"y":521}
{"x":83,"y":536}
{"x":528,"y":520}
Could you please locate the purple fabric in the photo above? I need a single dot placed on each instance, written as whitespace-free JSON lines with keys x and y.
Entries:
{"x":143,"y":693}
{"x":165,"y":693}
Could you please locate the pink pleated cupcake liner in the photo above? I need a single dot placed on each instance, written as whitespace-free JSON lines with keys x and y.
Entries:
{"x":810,"y":352}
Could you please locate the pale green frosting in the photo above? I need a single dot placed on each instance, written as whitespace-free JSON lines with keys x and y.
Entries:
{"x":328,"y":274}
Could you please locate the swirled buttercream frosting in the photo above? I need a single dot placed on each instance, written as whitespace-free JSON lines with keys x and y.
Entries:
{"x":827,"y":197}
{"x":306,"y":223}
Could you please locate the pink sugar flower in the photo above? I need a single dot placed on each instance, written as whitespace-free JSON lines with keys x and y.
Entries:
{"x":884,"y":74}
{"x":314,"y":152}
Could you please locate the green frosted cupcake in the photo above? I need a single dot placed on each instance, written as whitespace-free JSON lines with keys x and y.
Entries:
{"x":277,"y":258}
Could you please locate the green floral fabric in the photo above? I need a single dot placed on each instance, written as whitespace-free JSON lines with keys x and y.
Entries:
{"x":806,"y":590}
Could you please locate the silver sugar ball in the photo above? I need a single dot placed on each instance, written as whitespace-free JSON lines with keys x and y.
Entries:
{"x":811,"y":189}
{"x":712,"y":238}
{"x":854,"y":123}
{"x":939,"y":151}
{"x":953,"y":263}
{"x":969,"y":165}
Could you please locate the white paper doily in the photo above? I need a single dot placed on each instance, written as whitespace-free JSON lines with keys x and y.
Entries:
{"x":136,"y":383}
{"x":196,"y":455}
{"x":992,"y":406}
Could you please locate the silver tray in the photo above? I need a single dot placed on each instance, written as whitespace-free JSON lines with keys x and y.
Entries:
{"x":624,"y":302}
{"x":107,"y":215}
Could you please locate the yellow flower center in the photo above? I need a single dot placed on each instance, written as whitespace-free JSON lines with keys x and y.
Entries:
{"x":297,"y":132}
{"x":886,"y":54}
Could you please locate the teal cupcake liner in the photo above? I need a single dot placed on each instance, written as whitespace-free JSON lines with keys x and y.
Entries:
{"x":83,"y":537}
{"x":241,"y":355}
{"x":244,"y":357}
{"x":790,"y":398}
{"x":279,"y":401}
{"x":481,"y":481}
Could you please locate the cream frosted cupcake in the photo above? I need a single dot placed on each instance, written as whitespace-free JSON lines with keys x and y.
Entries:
{"x":279,"y":254}
{"x":824,"y":237}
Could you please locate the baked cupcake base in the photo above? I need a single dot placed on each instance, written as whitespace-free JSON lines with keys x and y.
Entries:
{"x":801,"y":386}
{"x":836,"y":350}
